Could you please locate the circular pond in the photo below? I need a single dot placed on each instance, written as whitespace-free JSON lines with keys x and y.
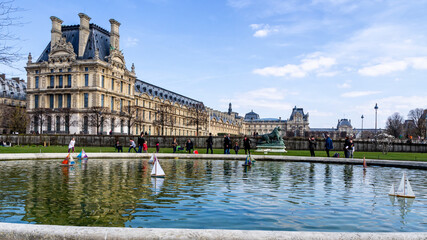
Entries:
{"x":216,"y":194}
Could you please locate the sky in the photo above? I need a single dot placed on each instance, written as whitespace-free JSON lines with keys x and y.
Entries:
{"x":333,"y":58}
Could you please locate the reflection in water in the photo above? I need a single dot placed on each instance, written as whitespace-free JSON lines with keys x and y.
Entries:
{"x":197,"y":193}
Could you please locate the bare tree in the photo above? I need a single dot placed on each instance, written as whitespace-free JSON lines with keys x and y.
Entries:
{"x":417,"y":115}
{"x":198,"y":116}
{"x":165,"y":113}
{"x":9,"y":54}
{"x":17,"y":119}
{"x":67,"y":118}
{"x":38,"y":118}
{"x":394,"y":125}
{"x":95,"y":117}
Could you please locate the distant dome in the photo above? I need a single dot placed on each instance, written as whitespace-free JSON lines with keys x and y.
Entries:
{"x":251,"y":116}
{"x":344,"y":123}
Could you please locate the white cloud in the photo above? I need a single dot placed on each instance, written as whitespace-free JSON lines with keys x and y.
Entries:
{"x":418,"y":63}
{"x":327,"y":74}
{"x":344,"y":85}
{"x":263,"y":30}
{"x":359,"y":93}
{"x":311,"y":64}
{"x":268,"y":98}
{"x":131,"y":42}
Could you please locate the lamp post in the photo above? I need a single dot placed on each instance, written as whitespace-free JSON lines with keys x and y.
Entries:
{"x":376,"y":110}
{"x":361,"y":134}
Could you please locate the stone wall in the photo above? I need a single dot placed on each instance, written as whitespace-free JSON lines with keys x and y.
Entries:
{"x":199,"y":142}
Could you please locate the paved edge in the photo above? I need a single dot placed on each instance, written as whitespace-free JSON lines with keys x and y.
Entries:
{"x":370,"y":162}
{"x":29,"y":231}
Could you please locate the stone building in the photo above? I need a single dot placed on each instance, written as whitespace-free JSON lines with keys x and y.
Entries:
{"x":225,"y":122}
{"x":12,"y":95}
{"x":80,"y":84}
{"x":296,"y":125}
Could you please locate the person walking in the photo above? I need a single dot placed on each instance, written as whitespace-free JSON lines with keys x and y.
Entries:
{"x":189,"y":145}
{"x":132,"y":145}
{"x":141,"y":141}
{"x":347,"y":146}
{"x":247,"y":145}
{"x":209,"y":143}
{"x":145,"y":147}
{"x":328,"y":145}
{"x":312,"y":145}
{"x":174,"y":144}
{"x":71,"y":145}
{"x":157,"y":147}
{"x":229,"y":144}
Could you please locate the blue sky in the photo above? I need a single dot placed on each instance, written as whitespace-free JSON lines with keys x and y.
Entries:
{"x":334,"y":58}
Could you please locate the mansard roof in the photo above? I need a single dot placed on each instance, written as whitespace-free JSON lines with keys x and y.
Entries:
{"x":296,"y":110}
{"x":251,"y":116}
{"x":12,"y":88}
{"x":99,"y":38}
{"x":155,"y":91}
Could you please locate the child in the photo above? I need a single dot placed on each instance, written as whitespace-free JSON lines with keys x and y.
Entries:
{"x":132,"y":145}
{"x":71,"y":145}
{"x":145,"y":147}
{"x":157,"y":147}
{"x":119,"y":147}
{"x":236,"y":148}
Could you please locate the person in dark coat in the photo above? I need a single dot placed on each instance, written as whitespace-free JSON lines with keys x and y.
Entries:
{"x":312,"y":145}
{"x":328,"y":145}
{"x":247,"y":145}
{"x":141,"y":142}
{"x":209,"y":143}
{"x":226,"y":145}
{"x":189,"y":145}
{"x":347,"y":147}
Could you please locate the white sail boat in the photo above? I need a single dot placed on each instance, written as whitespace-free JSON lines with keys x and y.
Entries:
{"x":404,"y":190}
{"x":151,"y":159}
{"x":157,"y":170}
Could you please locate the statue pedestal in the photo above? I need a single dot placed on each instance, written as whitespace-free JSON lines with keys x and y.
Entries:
{"x":266,"y":148}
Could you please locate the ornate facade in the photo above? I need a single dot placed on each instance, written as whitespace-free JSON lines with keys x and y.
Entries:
{"x":80,"y":84}
{"x":12,"y":95}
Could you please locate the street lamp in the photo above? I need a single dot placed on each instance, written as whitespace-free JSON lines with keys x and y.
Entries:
{"x":361,"y":133}
{"x":376,"y":109}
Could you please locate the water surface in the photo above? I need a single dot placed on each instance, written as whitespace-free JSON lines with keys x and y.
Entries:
{"x":211,"y":194}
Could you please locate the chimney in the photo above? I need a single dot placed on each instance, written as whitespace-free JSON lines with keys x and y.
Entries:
{"x":56,"y":31}
{"x":114,"y":34}
{"x":83,"y":33}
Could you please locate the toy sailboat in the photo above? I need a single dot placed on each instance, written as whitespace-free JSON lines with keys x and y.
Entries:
{"x":151,"y":159}
{"x":248,"y":161}
{"x":157,"y":170}
{"x":404,"y":190}
{"x":82,"y":154}
{"x":68,"y":160}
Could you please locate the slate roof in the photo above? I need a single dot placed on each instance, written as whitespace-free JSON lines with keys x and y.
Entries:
{"x":296,"y":110}
{"x":99,"y":38}
{"x":155,"y":91}
{"x":251,"y":116}
{"x":12,"y":88}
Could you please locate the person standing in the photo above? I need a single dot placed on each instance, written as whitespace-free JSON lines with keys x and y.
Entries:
{"x":347,"y":146}
{"x":236,"y":148}
{"x":157,"y":147}
{"x":189,"y":145}
{"x":132,"y":145}
{"x":119,"y":147}
{"x":209,"y":143}
{"x":229,"y":144}
{"x":352,"y":149}
{"x":174,"y":144}
{"x":328,"y":145}
{"x":312,"y":145}
{"x":247,"y":145}
{"x":226,"y":143}
{"x":145,"y":147}
{"x":71,"y":145}
{"x":141,"y":141}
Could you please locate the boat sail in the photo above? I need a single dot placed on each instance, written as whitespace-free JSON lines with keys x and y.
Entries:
{"x":151,"y":159}
{"x":157,"y":170}
{"x":404,"y":190}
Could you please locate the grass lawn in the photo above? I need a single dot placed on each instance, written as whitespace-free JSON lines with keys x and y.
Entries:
{"x":369,"y":155}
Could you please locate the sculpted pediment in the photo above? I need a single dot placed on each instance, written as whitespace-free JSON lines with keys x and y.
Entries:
{"x":62,"y":51}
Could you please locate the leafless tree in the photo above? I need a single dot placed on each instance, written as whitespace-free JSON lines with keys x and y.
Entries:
{"x":17,"y":119}
{"x":38,"y":118}
{"x":418,"y":117}
{"x":67,"y":118}
{"x":394,"y":125}
{"x":9,"y":53}
{"x":95,"y":117}
{"x":165,"y":113}
{"x":198,"y":116}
